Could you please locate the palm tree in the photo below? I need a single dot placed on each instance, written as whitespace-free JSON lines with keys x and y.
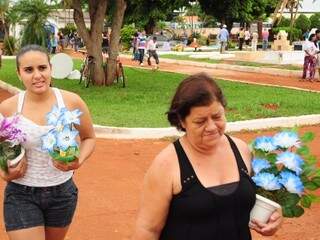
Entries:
{"x":34,"y":14}
{"x":4,"y":5}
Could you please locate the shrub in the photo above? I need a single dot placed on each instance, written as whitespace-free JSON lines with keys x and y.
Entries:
{"x":126,"y":35}
{"x":296,"y":33}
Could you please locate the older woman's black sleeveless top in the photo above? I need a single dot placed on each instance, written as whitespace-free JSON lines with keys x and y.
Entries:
{"x":196,"y":213}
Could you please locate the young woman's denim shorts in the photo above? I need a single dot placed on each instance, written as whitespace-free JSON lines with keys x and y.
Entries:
{"x":26,"y":207}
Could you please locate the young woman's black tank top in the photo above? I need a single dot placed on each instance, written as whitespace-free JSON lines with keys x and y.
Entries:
{"x":196,"y":213}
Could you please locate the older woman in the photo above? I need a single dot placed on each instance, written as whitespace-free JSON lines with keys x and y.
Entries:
{"x":199,"y":187}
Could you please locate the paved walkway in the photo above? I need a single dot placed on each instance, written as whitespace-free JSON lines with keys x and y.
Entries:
{"x":291,"y":82}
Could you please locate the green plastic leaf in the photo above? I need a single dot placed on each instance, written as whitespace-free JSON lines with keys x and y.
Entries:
{"x":305,"y":201}
{"x":286,"y":199}
{"x":298,"y":211}
{"x":291,"y":199}
{"x":307,"y":137}
{"x":316,"y":181}
{"x":311,"y":159}
{"x":310,"y":186}
{"x":304,"y":150}
{"x":272,"y":158}
{"x":287,"y":212}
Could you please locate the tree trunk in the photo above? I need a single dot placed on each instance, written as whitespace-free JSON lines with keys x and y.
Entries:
{"x":117,"y":20}
{"x":150,"y":26}
{"x":92,"y":38}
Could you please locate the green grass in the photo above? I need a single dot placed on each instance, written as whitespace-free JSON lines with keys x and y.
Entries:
{"x":146,"y":98}
{"x":233,"y":62}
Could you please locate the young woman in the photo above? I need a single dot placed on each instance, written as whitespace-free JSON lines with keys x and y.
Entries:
{"x":40,"y":197}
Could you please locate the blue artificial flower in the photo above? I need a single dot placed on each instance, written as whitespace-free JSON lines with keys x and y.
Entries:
{"x":53,"y":116}
{"x":259,"y":164}
{"x":286,"y":139}
{"x":48,"y":141}
{"x":291,"y":161}
{"x":66,"y":138}
{"x":265,"y":144}
{"x":291,"y":182}
{"x":59,"y":126}
{"x":70,"y":117}
{"x":267,"y":181}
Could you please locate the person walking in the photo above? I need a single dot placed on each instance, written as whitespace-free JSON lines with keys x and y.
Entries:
{"x":223,"y":38}
{"x":310,"y":60}
{"x":54,"y":43}
{"x":265,"y":39}
{"x":40,"y":196}
{"x":318,"y":55}
{"x":241,"y":36}
{"x":254,"y":41}
{"x":142,"y":42}
{"x":247,"y":37}
{"x":152,"y":50}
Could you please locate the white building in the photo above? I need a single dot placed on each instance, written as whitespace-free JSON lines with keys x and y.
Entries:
{"x":58,"y":19}
{"x":308,"y":8}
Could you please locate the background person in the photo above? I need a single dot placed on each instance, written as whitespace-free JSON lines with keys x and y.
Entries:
{"x":223,"y":38}
{"x":152,"y":50}
{"x":310,"y":58}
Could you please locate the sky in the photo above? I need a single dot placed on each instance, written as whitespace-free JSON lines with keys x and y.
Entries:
{"x":310,"y":6}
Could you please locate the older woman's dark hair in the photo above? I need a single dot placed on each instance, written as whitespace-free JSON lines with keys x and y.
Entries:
{"x":194,"y":91}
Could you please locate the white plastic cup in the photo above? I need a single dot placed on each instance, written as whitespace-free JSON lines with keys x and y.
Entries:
{"x":263,"y":209}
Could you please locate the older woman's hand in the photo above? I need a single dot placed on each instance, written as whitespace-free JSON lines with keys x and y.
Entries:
{"x":269,"y":228}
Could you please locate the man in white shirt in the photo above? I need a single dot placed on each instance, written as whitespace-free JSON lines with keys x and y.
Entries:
{"x":151,"y":47}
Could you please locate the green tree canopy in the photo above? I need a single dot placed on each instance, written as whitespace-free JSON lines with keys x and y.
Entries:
{"x":315,"y":21}
{"x":229,"y":11}
{"x":303,"y":23}
{"x":146,"y":13}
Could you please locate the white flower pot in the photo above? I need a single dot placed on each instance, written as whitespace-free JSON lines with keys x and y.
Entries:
{"x":14,"y":162}
{"x":263,"y":209}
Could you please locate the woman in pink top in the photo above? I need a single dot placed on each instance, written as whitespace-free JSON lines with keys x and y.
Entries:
{"x":310,"y":59}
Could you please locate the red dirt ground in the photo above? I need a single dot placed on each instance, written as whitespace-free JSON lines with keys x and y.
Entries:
{"x":110,"y":183}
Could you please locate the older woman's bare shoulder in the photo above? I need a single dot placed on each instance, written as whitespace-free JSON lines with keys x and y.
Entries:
{"x":244,"y":151}
{"x":166,"y":158}
{"x":9,"y":106}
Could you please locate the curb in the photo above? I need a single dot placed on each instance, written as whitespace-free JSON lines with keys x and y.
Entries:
{"x":157,"y":133}
{"x":247,"y":125}
{"x":248,"y":69}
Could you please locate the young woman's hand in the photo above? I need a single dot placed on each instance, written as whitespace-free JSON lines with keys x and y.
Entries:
{"x":15,"y":172}
{"x":67,"y":166}
{"x":269,"y":228}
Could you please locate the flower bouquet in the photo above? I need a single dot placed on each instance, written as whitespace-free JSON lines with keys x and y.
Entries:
{"x":285,"y":174}
{"x":60,"y":141}
{"x":11,"y":137}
